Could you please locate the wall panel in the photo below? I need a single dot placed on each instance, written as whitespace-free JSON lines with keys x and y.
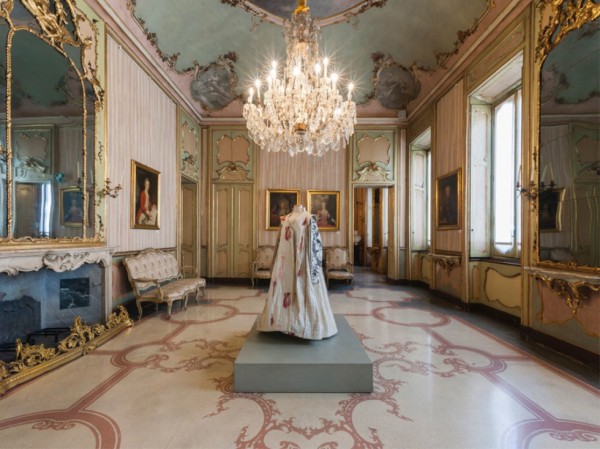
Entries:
{"x":447,"y":152}
{"x":280,"y":171}
{"x":141,"y":126}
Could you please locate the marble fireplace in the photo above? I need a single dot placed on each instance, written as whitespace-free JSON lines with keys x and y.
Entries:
{"x":42,"y":289}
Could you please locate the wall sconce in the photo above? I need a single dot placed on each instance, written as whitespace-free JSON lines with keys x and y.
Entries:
{"x":112,"y":192}
{"x":533,"y":191}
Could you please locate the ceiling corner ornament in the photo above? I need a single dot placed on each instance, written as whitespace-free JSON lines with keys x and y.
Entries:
{"x":394,"y":85}
{"x":301,"y":109}
{"x":566,"y":16}
{"x":442,"y":58}
{"x":214,"y":85}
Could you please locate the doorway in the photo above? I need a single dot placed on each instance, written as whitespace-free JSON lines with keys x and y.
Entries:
{"x":188,"y":238}
{"x":371,"y":228}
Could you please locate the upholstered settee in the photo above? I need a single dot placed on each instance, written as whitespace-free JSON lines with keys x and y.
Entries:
{"x":156,"y":277}
{"x":338,"y":265}
{"x":263,"y":264}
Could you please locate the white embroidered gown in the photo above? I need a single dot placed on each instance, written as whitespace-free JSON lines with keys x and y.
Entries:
{"x":297,"y":303}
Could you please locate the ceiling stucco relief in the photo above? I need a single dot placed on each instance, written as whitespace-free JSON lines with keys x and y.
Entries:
{"x":421,"y":40}
{"x":394,"y":85}
{"x":214,"y":85}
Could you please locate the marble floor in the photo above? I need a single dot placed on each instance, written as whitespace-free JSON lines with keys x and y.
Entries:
{"x":441,"y":381}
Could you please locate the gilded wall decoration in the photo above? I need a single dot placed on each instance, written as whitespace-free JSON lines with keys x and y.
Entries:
{"x":62,"y":76}
{"x":503,"y":289}
{"x":394,"y":85}
{"x":374,"y":157}
{"x":189,"y":147}
{"x":214,"y":85}
{"x":566,"y":16}
{"x":232,"y":158}
{"x":34,"y":360}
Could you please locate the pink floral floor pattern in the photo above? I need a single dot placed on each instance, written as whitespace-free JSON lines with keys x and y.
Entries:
{"x":440,"y":382}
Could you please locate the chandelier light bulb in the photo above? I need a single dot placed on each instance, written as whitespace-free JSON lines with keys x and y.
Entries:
{"x":302,"y":110}
{"x":350,"y":89}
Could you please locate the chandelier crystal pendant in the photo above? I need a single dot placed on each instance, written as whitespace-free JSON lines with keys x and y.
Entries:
{"x":300,"y":109}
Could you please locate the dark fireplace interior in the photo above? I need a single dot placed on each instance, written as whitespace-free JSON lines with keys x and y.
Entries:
{"x":40,"y":307}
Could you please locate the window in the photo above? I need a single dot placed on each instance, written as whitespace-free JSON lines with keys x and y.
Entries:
{"x":420,"y":210}
{"x":506,"y":157}
{"x":495,"y":158}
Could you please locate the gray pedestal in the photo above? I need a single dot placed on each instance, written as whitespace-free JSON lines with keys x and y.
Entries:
{"x":271,"y":362}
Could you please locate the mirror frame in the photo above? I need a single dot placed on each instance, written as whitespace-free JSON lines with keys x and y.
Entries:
{"x":556,"y":20}
{"x":89,"y":35}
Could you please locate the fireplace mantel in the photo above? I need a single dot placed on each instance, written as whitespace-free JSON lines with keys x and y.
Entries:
{"x":14,"y":262}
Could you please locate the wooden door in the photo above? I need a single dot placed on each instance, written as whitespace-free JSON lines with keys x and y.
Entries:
{"x":189,"y":223}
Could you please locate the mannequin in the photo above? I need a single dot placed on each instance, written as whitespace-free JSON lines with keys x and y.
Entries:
{"x":297,"y":303}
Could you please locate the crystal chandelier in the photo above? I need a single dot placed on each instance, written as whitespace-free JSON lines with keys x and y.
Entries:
{"x":301,"y":110}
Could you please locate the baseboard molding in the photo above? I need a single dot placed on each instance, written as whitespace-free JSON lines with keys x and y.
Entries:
{"x":450,"y":299}
{"x":229,"y":281}
{"x":500,"y":314}
{"x":582,"y":355}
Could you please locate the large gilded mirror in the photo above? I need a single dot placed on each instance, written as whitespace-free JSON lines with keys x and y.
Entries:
{"x":568,"y":201}
{"x":51,"y":108}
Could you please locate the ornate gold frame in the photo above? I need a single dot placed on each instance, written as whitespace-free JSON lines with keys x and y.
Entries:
{"x":134,"y":181}
{"x":335,"y":193}
{"x":32,"y":361}
{"x":53,"y":31}
{"x":459,"y":205}
{"x":268,"y":226}
{"x":556,"y":19}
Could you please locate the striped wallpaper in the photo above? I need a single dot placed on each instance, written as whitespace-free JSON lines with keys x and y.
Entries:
{"x":141,"y":125}
{"x":447,"y":152}
{"x":302,"y":172}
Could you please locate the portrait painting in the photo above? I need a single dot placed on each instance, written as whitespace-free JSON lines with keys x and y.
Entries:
{"x":71,"y":207}
{"x":325,"y":205}
{"x":550,"y":207}
{"x":145,"y":197}
{"x":448,"y":200}
{"x":279,"y":204}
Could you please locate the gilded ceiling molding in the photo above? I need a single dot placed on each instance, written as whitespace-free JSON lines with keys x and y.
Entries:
{"x":260,"y":15}
{"x":34,"y":360}
{"x":566,"y":16}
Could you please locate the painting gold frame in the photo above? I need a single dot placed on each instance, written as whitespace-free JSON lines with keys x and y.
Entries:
{"x":451,"y":215}
{"x":140,"y":219}
{"x":553,"y":222}
{"x":292,"y":197}
{"x":328,"y":194}
{"x":66,"y":192}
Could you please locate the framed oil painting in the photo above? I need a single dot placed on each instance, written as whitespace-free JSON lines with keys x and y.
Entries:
{"x":448,"y":199}
{"x":145,"y":197}
{"x":550,"y":207}
{"x":326,"y":206}
{"x":71,"y":207}
{"x":280,"y":203}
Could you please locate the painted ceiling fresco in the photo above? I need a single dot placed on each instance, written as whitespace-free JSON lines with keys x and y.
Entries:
{"x":318,"y":9}
{"x":229,"y":41}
